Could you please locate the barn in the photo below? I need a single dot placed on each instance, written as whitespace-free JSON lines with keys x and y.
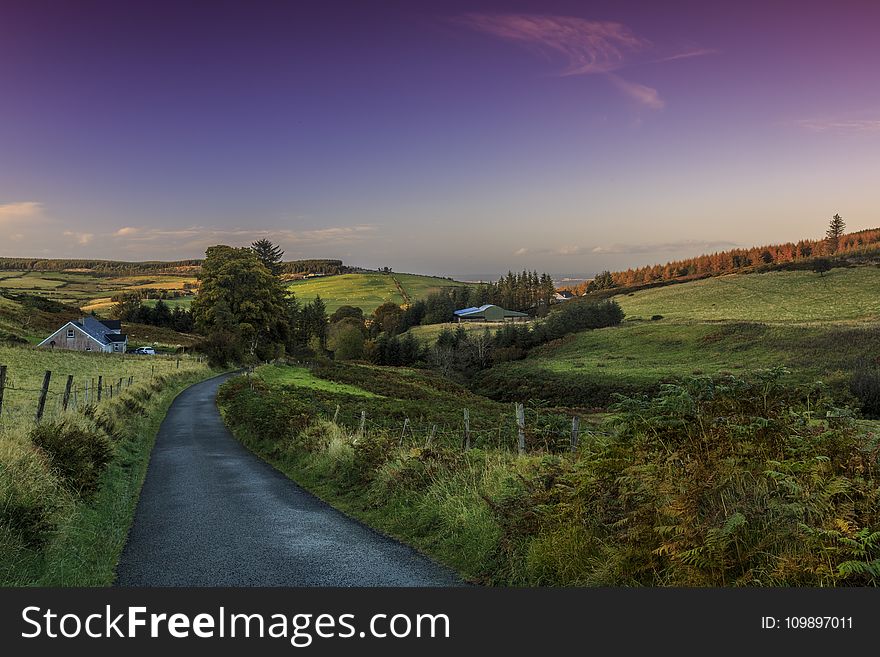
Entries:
{"x":490,"y":313}
{"x":89,"y":334}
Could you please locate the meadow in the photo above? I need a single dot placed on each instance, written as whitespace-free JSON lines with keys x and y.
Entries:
{"x":368,"y":290}
{"x":789,"y":297}
{"x":26,"y":367}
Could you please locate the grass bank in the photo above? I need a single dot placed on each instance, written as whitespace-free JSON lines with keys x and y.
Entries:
{"x":724,"y":481}
{"x":66,"y":504}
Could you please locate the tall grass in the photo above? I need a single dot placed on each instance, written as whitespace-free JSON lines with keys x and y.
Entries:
{"x":724,"y":481}
{"x":69,"y":485}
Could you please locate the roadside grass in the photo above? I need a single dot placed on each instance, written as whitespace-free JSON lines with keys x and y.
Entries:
{"x":772,"y":494}
{"x":81,"y":537}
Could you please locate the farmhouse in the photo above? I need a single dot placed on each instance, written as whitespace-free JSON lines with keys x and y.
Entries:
{"x":89,"y":334}
{"x":489,"y":313}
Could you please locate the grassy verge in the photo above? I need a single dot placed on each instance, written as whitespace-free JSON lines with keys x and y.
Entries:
{"x":57,"y":535}
{"x":722,"y":481}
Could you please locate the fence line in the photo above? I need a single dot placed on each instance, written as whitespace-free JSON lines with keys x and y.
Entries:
{"x":77,"y":393}
{"x":515,"y":432}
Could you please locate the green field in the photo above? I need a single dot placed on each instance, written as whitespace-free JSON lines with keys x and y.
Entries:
{"x":27,"y":365}
{"x":820,"y":328}
{"x":367,"y":291}
{"x":799,"y":296}
{"x":429,"y":332}
{"x":87,"y":290}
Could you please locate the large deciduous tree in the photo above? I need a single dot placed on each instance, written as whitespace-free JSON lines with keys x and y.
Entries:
{"x":240,"y":306}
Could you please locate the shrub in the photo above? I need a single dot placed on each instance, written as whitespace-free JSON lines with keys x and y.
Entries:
{"x":865,"y":386}
{"x":656,"y":318}
{"x":78,"y":451}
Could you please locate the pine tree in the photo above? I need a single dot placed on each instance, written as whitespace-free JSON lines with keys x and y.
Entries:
{"x":834,"y":233}
{"x":270,"y":255}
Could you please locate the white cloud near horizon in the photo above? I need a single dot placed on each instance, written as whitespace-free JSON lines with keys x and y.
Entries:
{"x":617,"y":249}
{"x":80,"y":238}
{"x":199,"y":238}
{"x":22,"y":210}
{"x":586,"y":47}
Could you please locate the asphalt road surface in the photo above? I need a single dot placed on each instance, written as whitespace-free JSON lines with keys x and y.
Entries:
{"x":213,"y":514}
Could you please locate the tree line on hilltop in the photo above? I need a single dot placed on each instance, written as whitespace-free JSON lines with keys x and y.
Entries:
{"x":737,"y":260}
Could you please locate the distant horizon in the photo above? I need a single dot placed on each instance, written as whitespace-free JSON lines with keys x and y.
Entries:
{"x":442,"y":137}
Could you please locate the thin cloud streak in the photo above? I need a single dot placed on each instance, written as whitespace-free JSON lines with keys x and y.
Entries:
{"x":841,"y":126}
{"x":640,"y":93}
{"x":587,"y":47}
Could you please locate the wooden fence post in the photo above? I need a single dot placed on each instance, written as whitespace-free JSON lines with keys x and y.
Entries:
{"x":66,"y":399}
{"x":119,"y":386}
{"x":41,"y":406}
{"x":2,"y":385}
{"x":433,"y":431}
{"x":363,"y":423}
{"x":100,"y":386}
{"x":178,"y":363}
{"x":111,"y":391}
{"x":402,"y":433}
{"x":521,"y":428}
{"x":575,"y":432}
{"x":466,"y":439}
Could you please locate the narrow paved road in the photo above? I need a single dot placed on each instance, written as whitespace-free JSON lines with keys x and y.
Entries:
{"x":213,"y":514}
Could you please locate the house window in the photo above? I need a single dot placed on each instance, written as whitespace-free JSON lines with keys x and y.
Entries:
{"x":69,"y":334}
{"x":88,"y":347}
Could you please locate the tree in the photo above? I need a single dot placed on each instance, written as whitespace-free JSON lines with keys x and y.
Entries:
{"x":387,"y":318}
{"x":821,"y":265}
{"x":241,"y":298}
{"x":834,"y":233}
{"x":270,"y":255}
{"x":347,"y":311}
{"x":345,"y":339}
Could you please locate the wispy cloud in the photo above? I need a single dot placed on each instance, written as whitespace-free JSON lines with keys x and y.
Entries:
{"x":642,"y":94}
{"x":23,"y":210}
{"x":80,"y":238}
{"x":198,"y":237}
{"x":693,"y":246}
{"x":841,"y":126}
{"x":584,"y":47}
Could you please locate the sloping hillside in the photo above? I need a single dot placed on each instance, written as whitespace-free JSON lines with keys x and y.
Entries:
{"x":822,"y":328}
{"x":368,"y":290}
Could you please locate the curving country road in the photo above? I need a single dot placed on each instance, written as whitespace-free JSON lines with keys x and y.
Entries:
{"x":213,"y":514}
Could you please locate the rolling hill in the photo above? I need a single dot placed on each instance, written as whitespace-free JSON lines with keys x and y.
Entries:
{"x":368,"y":290}
{"x":820,"y":328}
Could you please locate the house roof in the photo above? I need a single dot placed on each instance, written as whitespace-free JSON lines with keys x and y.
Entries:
{"x":104,"y":332}
{"x":468,"y":312}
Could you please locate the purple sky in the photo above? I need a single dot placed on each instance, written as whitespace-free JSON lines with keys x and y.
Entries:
{"x":461,"y":138}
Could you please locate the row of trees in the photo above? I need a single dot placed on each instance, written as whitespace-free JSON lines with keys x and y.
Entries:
{"x":100,"y":266}
{"x":734,"y":260}
{"x":130,"y":308}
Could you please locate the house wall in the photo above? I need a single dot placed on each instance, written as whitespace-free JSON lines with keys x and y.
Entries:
{"x":80,"y":341}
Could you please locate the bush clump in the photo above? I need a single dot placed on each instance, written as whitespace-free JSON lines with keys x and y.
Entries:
{"x":78,"y":451}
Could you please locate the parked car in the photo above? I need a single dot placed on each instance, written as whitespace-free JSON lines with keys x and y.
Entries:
{"x":147,"y":351}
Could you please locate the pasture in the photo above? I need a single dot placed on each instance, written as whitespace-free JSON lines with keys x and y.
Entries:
{"x":368,"y":290}
{"x":87,"y":290}
{"x":27,"y":365}
{"x":791,"y":297}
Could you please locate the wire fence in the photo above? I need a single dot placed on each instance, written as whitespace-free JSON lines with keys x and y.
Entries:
{"x":58,"y":392}
{"x":520,"y":432}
